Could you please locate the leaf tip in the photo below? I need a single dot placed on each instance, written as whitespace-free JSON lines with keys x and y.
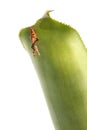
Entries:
{"x":47,"y":14}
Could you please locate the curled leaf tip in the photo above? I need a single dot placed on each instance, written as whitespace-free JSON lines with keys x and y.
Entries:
{"x":47,"y":13}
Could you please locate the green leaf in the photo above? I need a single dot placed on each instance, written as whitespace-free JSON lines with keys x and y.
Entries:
{"x":62,"y":70}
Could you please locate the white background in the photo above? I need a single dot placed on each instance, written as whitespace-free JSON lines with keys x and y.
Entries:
{"x":22,"y":104}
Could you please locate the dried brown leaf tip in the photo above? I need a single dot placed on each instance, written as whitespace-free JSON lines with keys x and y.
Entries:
{"x":34,"y":39}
